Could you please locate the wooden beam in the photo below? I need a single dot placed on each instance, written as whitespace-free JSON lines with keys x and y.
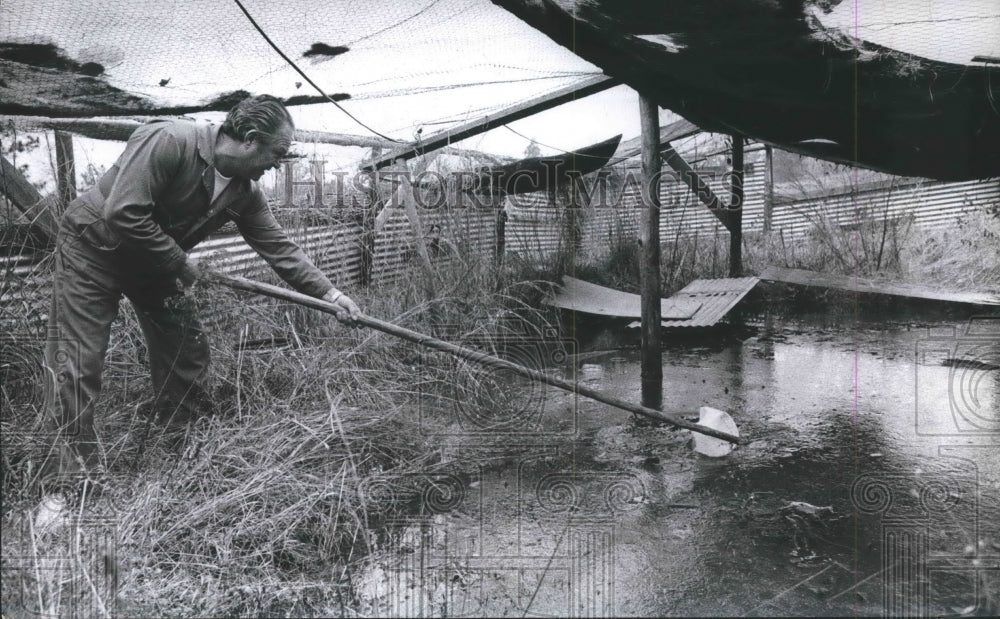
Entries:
{"x":736,"y":210}
{"x":65,"y":169}
{"x":120,"y":129}
{"x":117,"y":130}
{"x":341,"y":139}
{"x":696,"y":183}
{"x":852,"y":283}
{"x":649,"y":262}
{"x":481,"y":125}
{"x":39,"y":211}
{"x":668,"y":133}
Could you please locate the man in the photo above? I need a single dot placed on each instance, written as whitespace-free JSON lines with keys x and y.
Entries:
{"x":176,"y":182}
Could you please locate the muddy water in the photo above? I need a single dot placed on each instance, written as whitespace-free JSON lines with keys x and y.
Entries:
{"x":870,"y":484}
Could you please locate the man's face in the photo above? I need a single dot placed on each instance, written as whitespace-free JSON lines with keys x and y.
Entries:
{"x":261,"y":154}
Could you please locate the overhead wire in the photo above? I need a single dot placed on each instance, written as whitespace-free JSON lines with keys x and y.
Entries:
{"x":395,"y":25}
{"x":879,"y":26}
{"x":256,"y":26}
{"x":425,"y":89}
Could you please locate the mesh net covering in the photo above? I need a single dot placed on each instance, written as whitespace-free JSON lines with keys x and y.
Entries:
{"x":428,"y":62}
{"x":396,"y":67}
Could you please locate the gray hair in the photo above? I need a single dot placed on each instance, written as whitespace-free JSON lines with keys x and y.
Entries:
{"x":262,"y":114}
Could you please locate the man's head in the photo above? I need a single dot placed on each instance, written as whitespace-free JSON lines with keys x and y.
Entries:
{"x":260,"y":131}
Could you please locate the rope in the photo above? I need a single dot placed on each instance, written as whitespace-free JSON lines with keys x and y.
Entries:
{"x":254,"y":23}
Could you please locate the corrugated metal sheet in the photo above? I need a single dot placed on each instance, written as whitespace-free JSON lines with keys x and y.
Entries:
{"x":927,"y":204}
{"x":581,"y":296}
{"x":335,"y":249}
{"x":470,"y":231}
{"x":716,"y":296}
{"x":537,"y":229}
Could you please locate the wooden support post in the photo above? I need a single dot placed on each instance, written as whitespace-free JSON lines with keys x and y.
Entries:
{"x":768,"y":187}
{"x":317,"y":170}
{"x":500,"y":240}
{"x":409,"y":201}
{"x":574,"y":214}
{"x":316,"y":183}
{"x":65,"y":169}
{"x":289,"y":183}
{"x":649,"y":261}
{"x":735,"y":215}
{"x":39,"y":211}
{"x":367,"y":219}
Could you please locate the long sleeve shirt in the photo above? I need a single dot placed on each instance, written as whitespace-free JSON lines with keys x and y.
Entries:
{"x":156,"y":203}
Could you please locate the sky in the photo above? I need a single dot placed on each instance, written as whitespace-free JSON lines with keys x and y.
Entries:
{"x":412,"y":65}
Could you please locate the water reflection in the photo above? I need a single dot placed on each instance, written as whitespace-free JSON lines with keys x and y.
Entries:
{"x":858,"y":493}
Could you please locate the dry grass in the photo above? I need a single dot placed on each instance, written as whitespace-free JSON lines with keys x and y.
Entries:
{"x":965,"y":257}
{"x":265,"y":511}
{"x":962,"y":258}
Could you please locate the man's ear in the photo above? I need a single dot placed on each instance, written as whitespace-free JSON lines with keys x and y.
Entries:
{"x":253,"y":136}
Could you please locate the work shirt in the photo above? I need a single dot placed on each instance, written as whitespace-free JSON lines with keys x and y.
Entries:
{"x":156,"y":203}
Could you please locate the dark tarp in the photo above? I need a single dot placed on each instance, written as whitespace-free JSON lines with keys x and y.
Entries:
{"x":770,"y":70}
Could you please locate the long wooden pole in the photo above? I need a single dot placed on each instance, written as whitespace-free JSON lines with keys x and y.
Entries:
{"x":65,"y":168}
{"x":587,"y":87}
{"x":675,"y":419}
{"x":768,"y":187}
{"x":736,"y":210}
{"x":649,"y":260}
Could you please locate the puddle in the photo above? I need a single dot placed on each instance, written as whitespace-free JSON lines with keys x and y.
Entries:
{"x":870,"y":485}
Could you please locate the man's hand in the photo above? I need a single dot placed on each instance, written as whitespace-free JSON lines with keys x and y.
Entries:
{"x":346,"y":310}
{"x":190,"y":273}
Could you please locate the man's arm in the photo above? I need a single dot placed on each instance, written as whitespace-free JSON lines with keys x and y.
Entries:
{"x":263,"y":233}
{"x":145,"y":169}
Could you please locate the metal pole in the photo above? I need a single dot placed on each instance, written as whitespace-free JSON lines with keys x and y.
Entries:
{"x":649,"y":261}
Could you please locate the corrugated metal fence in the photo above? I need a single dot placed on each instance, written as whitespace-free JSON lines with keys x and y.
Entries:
{"x":335,"y":248}
{"x":537,"y":228}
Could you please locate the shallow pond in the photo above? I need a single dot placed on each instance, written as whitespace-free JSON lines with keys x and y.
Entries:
{"x":869,"y":485}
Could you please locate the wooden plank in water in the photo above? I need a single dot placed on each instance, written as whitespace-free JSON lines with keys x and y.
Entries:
{"x":801,"y":277}
{"x":715,"y":297}
{"x":581,"y":296}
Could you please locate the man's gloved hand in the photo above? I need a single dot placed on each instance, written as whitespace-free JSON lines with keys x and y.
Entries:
{"x":190,"y":273}
{"x":347,"y":311}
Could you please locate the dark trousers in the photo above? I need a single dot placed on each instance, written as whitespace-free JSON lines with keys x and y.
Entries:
{"x":88,"y":284}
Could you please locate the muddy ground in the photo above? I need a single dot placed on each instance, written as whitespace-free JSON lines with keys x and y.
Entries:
{"x":869,"y":485}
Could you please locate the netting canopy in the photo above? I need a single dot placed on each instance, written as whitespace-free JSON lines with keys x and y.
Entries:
{"x":395,"y":66}
{"x":900,"y":86}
